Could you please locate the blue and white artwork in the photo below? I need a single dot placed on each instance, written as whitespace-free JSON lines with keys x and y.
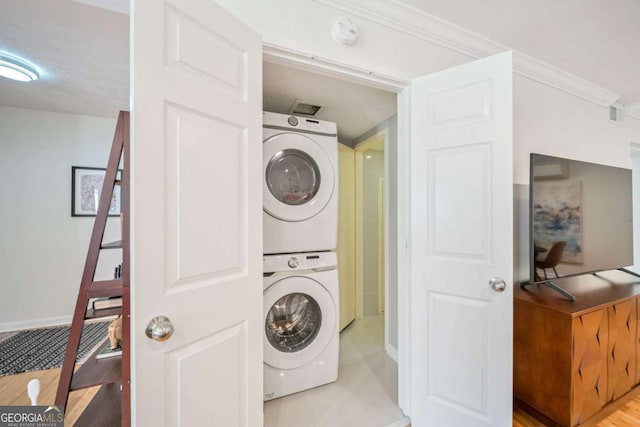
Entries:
{"x":557,"y":216}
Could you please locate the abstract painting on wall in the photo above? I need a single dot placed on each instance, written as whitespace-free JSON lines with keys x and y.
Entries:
{"x":557,"y":216}
{"x":86,"y":186}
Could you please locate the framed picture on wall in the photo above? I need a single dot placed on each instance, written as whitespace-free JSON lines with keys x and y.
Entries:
{"x":86,"y":186}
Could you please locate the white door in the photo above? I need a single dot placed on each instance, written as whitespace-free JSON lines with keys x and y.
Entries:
{"x":461,"y":239}
{"x":197,"y":215}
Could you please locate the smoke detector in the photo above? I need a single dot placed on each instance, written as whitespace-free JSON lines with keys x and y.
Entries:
{"x":305,"y":108}
{"x":344,"y":31}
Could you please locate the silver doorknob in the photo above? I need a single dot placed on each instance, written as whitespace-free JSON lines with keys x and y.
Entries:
{"x":497,"y":284}
{"x":159,"y":328}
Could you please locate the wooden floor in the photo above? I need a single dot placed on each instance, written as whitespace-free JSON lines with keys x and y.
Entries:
{"x":522,"y":419}
{"x":13,"y":391}
{"x":625,"y":412}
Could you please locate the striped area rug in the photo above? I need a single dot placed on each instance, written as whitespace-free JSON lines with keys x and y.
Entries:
{"x":39,"y":349}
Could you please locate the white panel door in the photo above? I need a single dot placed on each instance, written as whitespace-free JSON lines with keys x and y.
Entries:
{"x":461,"y":238}
{"x":197,"y":215}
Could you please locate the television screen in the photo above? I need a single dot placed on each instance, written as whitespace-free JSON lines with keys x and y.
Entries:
{"x":580,"y":217}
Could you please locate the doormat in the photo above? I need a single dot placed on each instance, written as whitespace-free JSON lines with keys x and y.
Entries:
{"x":40,"y":349}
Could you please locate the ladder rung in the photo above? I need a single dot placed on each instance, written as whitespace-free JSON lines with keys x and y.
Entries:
{"x":96,"y":372}
{"x":118,"y":182}
{"x":105,"y":288}
{"x":105,"y":312}
{"x":112,"y":245}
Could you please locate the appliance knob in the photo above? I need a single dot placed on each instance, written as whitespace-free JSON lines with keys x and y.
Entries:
{"x":293,"y":262}
{"x":293,"y":120}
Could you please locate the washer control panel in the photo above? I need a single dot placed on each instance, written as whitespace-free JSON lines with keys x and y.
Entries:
{"x":305,"y":261}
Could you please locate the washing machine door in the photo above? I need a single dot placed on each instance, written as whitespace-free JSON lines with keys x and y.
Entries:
{"x":298,"y":175}
{"x":299,"y":321}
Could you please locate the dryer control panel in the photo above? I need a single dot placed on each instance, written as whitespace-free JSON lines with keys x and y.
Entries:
{"x":304,"y":261}
{"x":298,"y":123}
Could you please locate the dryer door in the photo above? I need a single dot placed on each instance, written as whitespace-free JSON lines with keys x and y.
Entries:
{"x":299,"y":321}
{"x":298,"y":175}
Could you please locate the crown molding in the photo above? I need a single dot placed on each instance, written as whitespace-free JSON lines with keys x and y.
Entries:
{"x":632,"y":110}
{"x":406,"y":19}
{"x":552,"y":76}
{"x":401,"y":17}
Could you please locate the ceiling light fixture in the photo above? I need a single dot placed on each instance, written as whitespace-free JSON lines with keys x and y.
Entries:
{"x":17,"y":69}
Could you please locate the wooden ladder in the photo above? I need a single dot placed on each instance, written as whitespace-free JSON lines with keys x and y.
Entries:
{"x":111,"y":405}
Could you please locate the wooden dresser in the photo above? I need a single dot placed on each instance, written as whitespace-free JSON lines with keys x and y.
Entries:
{"x":573,"y":358}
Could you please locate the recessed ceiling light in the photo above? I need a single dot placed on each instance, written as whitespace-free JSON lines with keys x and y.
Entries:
{"x":17,"y":69}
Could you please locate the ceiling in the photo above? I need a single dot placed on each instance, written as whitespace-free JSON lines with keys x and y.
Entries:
{"x":596,"y":40}
{"x":354,"y":108}
{"x":82,"y":53}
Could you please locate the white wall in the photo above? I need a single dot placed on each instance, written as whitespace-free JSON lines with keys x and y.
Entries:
{"x":305,"y":26}
{"x":549,"y":121}
{"x":43,"y":248}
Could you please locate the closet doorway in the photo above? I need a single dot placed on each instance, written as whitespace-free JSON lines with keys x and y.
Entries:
{"x":370,"y":225}
{"x":366,"y":391}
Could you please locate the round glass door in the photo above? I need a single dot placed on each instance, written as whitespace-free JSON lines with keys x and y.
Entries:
{"x":293,"y":177}
{"x":299,"y":177}
{"x":300,"y":317}
{"x":293,"y":322}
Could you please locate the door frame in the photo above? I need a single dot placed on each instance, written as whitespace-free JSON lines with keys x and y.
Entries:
{"x":359,"y":150}
{"x":285,"y":56}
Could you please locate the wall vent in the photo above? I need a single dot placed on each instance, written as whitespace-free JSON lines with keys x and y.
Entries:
{"x":616,"y":113}
{"x":305,"y":108}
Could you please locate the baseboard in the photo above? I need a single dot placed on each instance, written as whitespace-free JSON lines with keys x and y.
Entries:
{"x":392,"y":352}
{"x":400,"y":423}
{"x":35,"y":323}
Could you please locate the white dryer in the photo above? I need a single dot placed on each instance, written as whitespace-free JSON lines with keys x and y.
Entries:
{"x":301,"y":337}
{"x":300,"y":191}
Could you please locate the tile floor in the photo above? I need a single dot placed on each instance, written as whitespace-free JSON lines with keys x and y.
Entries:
{"x":365,"y":394}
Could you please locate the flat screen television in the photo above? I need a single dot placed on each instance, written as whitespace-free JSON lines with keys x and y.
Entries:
{"x":580,"y":219}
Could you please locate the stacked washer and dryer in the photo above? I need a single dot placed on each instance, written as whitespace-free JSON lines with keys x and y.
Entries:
{"x":300,"y":270}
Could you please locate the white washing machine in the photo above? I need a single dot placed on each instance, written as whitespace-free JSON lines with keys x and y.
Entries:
{"x":301,"y":337}
{"x":300,"y":191}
